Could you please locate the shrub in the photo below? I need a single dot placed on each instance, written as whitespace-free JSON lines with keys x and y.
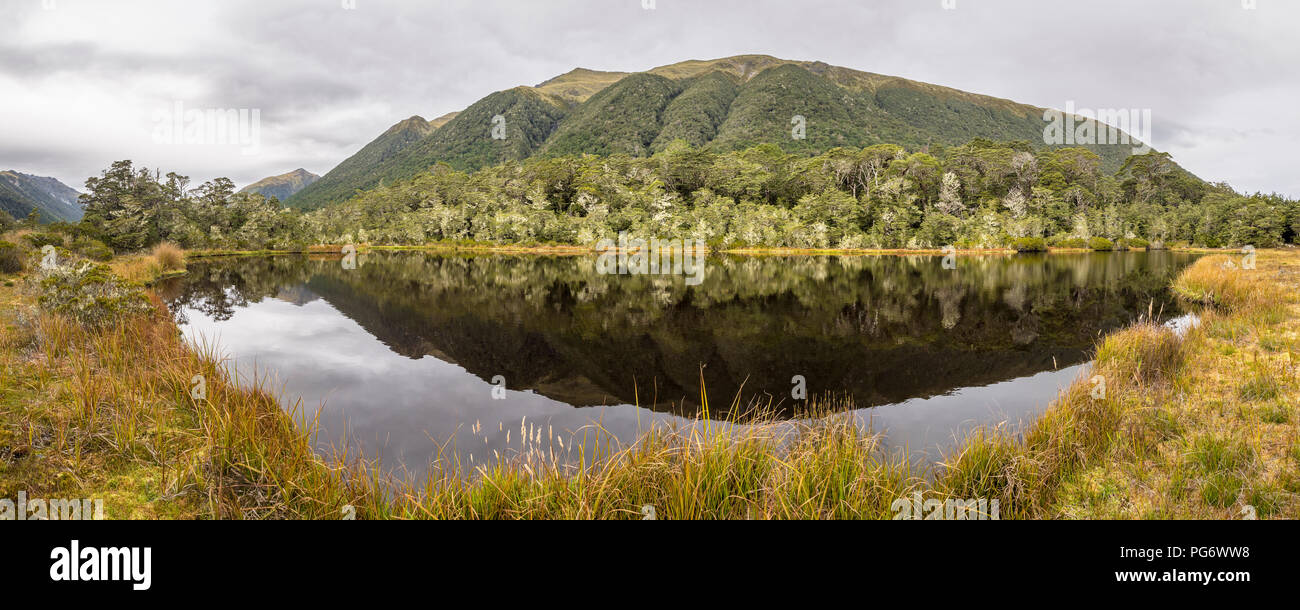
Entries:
{"x":169,"y":256}
{"x":40,"y":240}
{"x":1070,"y":242}
{"x":1206,"y":240}
{"x":1029,"y":244}
{"x":11,"y":258}
{"x":1137,"y":242}
{"x":93,"y":249}
{"x":1101,"y":244}
{"x":90,"y":294}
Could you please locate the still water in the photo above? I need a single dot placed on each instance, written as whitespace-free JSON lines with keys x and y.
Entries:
{"x":410,"y":356}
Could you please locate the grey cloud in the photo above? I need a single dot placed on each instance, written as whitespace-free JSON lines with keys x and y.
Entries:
{"x":328,"y":80}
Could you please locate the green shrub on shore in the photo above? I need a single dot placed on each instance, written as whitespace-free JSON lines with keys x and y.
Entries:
{"x":90,"y":294}
{"x":1029,"y":244}
{"x":1071,"y":242}
{"x":1101,"y":244}
{"x":11,"y":258}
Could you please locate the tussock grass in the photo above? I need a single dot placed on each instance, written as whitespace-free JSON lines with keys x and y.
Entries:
{"x":1220,"y":281}
{"x":1027,"y":471}
{"x":125,"y":391}
{"x":820,"y":470}
{"x":169,"y":256}
{"x":164,"y":260}
{"x":1157,"y":442}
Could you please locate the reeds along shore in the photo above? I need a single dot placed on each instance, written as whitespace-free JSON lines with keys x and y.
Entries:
{"x":1197,"y":427}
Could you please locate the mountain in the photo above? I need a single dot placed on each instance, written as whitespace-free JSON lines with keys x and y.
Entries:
{"x":724,"y":104}
{"x":283,"y":186}
{"x":355,"y":172}
{"x":21,"y":193}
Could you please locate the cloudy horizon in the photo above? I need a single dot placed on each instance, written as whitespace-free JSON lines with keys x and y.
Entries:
{"x":85,"y":83}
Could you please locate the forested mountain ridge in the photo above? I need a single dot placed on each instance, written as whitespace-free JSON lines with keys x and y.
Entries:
{"x":724,"y":104}
{"x":21,"y":193}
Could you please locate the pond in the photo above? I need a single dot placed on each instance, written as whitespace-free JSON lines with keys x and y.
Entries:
{"x":416,"y":356}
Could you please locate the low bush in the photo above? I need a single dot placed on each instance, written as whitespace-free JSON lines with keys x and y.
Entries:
{"x":1070,"y":242}
{"x":1029,"y":244}
{"x":1101,"y":244}
{"x":90,"y":294}
{"x":40,"y":240}
{"x":92,"y":249}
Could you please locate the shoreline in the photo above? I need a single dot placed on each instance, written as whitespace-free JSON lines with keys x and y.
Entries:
{"x":571,"y":250}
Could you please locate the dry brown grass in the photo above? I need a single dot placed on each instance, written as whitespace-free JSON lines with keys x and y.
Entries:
{"x":169,"y":256}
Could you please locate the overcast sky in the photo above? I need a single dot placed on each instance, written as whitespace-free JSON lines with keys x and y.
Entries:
{"x":87,"y":82}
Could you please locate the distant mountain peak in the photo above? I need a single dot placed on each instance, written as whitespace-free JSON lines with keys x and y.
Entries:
{"x":415,"y":123}
{"x":282,"y":186}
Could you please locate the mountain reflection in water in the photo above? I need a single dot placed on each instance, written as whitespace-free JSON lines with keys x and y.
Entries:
{"x":404,"y":348}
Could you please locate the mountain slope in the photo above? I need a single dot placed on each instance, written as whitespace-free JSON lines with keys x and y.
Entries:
{"x":21,"y":193}
{"x":696,"y":114}
{"x":725,"y":104}
{"x":467,"y":141}
{"x":356,"y":172}
{"x":464,"y":141}
{"x":622,"y":118}
{"x":283,"y":186}
{"x":765,"y":108}
{"x":579,"y":84}
{"x":443,"y":120}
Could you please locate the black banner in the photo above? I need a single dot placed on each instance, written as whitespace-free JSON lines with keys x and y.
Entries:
{"x":318,"y":559}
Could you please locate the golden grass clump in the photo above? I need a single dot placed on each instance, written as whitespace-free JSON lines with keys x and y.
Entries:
{"x":170,"y":257}
{"x":1149,"y":352}
{"x":1225,"y":282}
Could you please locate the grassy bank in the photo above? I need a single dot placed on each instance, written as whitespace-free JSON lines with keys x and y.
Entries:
{"x":1201,"y":427}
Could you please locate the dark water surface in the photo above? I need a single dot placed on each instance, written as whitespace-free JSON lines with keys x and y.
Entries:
{"x":402,"y":350}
